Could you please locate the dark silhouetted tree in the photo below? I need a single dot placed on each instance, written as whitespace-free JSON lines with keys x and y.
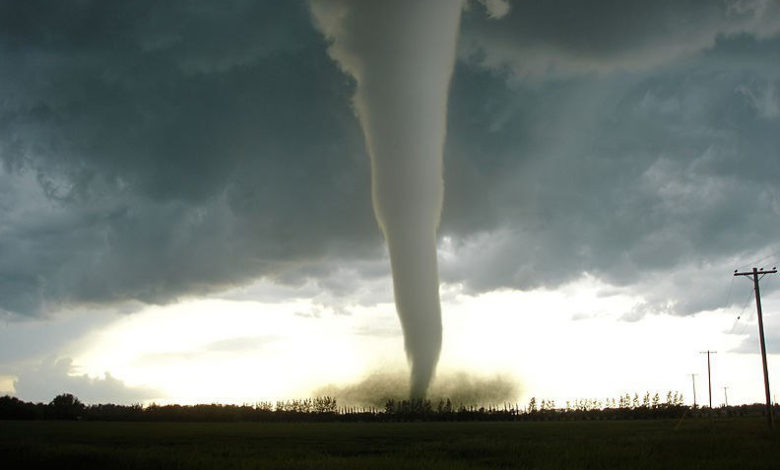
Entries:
{"x":66,"y":406}
{"x":532,"y":405}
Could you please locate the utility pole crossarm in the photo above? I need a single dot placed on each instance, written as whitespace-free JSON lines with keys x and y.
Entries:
{"x":756,"y":271}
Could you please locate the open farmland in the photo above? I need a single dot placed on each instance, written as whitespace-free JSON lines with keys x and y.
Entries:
{"x":743,"y":443}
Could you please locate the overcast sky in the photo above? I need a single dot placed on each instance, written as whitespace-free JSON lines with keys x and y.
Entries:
{"x":158,"y":153}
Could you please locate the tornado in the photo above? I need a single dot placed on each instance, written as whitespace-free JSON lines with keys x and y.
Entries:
{"x":401,"y":54}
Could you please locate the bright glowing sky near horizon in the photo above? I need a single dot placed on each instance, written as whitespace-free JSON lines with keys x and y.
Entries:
{"x":185,"y":202}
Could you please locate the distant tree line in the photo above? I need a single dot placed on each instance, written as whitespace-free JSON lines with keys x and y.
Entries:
{"x":68,"y":407}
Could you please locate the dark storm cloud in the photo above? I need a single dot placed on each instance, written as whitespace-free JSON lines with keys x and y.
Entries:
{"x":180,"y":146}
{"x":152,"y":150}
{"x":562,"y":37}
{"x":662,"y":179}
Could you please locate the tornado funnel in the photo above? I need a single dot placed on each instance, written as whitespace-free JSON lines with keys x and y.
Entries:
{"x":401,"y":53}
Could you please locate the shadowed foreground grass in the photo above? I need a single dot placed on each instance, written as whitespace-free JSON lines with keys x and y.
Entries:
{"x":743,"y":443}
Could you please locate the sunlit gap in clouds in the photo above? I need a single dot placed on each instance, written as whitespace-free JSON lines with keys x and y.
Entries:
{"x":562,"y":345}
{"x":566,"y":343}
{"x":228,"y":351}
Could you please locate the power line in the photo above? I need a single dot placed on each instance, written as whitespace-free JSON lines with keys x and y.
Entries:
{"x":754,"y":274}
{"x":741,"y":313}
{"x":728,"y":294}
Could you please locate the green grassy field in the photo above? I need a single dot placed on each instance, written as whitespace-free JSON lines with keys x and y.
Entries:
{"x":695,"y":444}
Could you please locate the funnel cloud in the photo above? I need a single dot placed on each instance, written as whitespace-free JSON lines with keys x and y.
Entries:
{"x":402,"y":54}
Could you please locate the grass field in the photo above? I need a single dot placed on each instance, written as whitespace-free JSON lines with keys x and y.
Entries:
{"x":742,"y":443}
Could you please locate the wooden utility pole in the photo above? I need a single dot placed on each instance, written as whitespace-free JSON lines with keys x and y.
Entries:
{"x":709,"y":376}
{"x":754,"y":274}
